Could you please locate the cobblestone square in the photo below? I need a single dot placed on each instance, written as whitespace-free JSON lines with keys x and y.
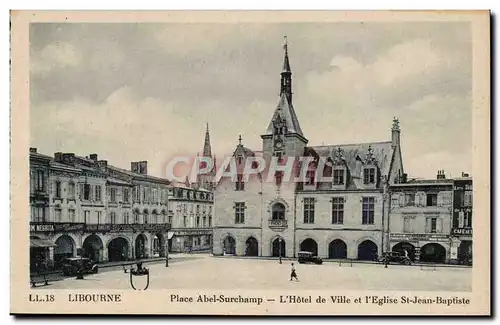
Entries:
{"x":205,"y":272}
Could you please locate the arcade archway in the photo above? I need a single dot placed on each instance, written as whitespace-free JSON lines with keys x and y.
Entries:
{"x":367,"y":251}
{"x":276,"y":247}
{"x":229,"y":245}
{"x":118,"y":249}
{"x":337,"y":249}
{"x":141,"y":246}
{"x":309,"y":245}
{"x":251,"y":247}
{"x":159,"y":245}
{"x":65,"y":248}
{"x":92,"y":247}
{"x":433,"y":252}
{"x":404,"y":247}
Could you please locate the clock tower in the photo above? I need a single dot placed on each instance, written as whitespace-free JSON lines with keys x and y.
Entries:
{"x":284,"y":137}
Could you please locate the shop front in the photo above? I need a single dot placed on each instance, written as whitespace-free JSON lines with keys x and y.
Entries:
{"x":185,"y":241}
{"x":425,"y":248}
{"x":462,"y":238}
{"x":41,"y":253}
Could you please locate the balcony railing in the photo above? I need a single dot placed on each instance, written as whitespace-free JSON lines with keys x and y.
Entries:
{"x":278,"y":223}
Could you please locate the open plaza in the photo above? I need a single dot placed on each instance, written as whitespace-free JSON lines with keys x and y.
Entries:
{"x":203,"y":271}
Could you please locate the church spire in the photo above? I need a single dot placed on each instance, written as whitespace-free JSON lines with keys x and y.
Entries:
{"x":207,"y":149}
{"x":286,"y":75}
{"x":286,"y":61}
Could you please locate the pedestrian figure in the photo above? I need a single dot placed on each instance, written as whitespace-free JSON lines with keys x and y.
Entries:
{"x":293,"y":274}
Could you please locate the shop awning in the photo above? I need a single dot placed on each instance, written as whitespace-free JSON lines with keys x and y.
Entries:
{"x":37,"y":242}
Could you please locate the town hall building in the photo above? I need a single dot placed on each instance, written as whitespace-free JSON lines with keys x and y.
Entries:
{"x":346,"y":217}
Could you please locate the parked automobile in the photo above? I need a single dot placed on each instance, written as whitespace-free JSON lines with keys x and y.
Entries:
{"x":71,"y":266}
{"x":394,"y":257}
{"x":308,"y":257}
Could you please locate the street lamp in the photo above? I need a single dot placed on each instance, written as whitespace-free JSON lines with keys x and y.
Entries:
{"x":280,"y":240}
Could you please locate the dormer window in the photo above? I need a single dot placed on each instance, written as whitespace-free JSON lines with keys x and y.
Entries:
{"x":369,"y":175}
{"x":370,"y":167}
{"x":338,"y":176}
{"x":339,"y":167}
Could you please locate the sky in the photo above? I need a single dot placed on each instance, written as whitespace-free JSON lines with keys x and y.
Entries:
{"x":132,"y":92}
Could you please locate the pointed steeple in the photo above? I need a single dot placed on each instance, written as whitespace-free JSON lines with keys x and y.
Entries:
{"x":285,"y":111}
{"x":286,"y":75}
{"x":207,"y":149}
{"x":286,"y":61}
{"x":206,"y":180}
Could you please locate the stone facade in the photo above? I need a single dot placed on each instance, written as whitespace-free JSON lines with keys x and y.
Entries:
{"x":191,"y":218}
{"x":421,"y":219}
{"x":344,"y":217}
{"x":83,"y":206}
{"x":461,"y":231}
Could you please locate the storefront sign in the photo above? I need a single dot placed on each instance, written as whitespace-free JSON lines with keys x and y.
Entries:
{"x":67,"y":227}
{"x":127,"y":227}
{"x":42,"y":227}
{"x":461,"y":231}
{"x":192,"y":233}
{"x":399,"y":237}
{"x":419,"y":237}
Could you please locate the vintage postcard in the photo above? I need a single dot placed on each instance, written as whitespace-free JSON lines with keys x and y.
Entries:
{"x":250,"y":163}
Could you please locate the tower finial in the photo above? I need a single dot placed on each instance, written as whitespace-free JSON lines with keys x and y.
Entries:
{"x":285,"y":45}
{"x":207,"y":126}
{"x":395,"y":124}
{"x":239,"y":139}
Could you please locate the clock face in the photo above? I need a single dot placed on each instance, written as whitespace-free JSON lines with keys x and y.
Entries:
{"x":279,"y":144}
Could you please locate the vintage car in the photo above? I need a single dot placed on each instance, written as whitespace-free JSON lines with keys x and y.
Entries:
{"x":394,"y":257}
{"x":308,"y":257}
{"x":71,"y":266}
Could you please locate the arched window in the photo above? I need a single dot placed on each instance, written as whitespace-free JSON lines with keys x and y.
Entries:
{"x":278,"y":211}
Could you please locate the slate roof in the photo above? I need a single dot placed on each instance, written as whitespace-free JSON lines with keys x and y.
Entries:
{"x":39,"y":155}
{"x":355,"y":154}
{"x":54,"y":164}
{"x":118,"y":181}
{"x":287,"y":113}
{"x":137,"y":175}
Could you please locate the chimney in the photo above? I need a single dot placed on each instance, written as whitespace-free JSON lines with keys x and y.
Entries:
{"x":396,"y":132}
{"x":102,"y":165}
{"x":441,"y":175}
{"x":68,"y":158}
{"x":32,"y":150}
{"x":93,"y":156}
{"x":134,"y":167}
{"x":139,"y":167}
{"x":143,"y":167}
{"x":58,"y":156}
{"x":465,"y":174}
